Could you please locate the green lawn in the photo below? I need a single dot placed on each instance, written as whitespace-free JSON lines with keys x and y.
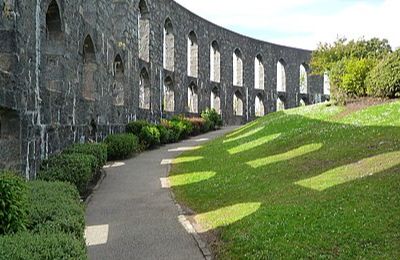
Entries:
{"x":300,"y":184}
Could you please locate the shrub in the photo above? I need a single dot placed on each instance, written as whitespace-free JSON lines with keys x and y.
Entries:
{"x":200,"y":125}
{"x":214,"y":118}
{"x":182,"y":126}
{"x":55,"y":207}
{"x":136,"y":127}
{"x":74,"y":168}
{"x":12,"y":203}
{"x":165,"y":134}
{"x":27,"y":246}
{"x":384,"y":79}
{"x":121,"y":146}
{"x":150,"y":136}
{"x":97,"y":150}
{"x":173,"y":132}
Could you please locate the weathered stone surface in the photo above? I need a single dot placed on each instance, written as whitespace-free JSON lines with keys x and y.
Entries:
{"x":58,"y":85}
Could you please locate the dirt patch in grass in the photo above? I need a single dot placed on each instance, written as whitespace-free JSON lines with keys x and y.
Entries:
{"x":354,"y":105}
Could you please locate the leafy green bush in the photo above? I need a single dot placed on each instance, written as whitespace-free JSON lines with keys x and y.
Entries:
{"x":174,"y":132}
{"x":55,"y":207}
{"x":74,"y":168}
{"x":136,"y":127}
{"x":384,"y":79}
{"x":150,"y":136}
{"x":97,"y":150}
{"x":348,"y":63}
{"x":182,"y":126}
{"x":13,"y":196}
{"x":121,"y":146}
{"x":165,"y":134}
{"x":27,"y":246}
{"x":213,"y":117}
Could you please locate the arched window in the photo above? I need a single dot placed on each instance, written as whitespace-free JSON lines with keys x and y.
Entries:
{"x":216,"y":100}
{"x":302,"y":103}
{"x":259,"y":106}
{"x":281,"y":76}
{"x":144,"y":90}
{"x":238,"y":104}
{"x":118,"y":88}
{"x":280,"y":105}
{"x":89,"y":69}
{"x":237,"y":68}
{"x":169,"y":46}
{"x":327,"y":84}
{"x":169,"y":95}
{"x":144,"y":31}
{"x":303,"y":80}
{"x":258,"y":72}
{"x":215,"y":62}
{"x":193,"y":98}
{"x":193,"y":55}
{"x":53,"y":22}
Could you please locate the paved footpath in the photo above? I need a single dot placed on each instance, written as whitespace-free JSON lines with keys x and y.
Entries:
{"x":131,"y":216}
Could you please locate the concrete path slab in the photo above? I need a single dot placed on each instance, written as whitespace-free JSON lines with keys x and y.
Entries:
{"x":131,"y":216}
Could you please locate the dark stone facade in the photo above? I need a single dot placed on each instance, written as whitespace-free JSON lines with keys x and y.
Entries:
{"x":70,"y":71}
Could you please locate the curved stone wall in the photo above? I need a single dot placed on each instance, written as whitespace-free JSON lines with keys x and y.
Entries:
{"x":74,"y":70}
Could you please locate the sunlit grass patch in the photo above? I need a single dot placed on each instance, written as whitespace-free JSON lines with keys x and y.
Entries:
{"x":351,"y":172}
{"x":285,"y":156}
{"x":253,"y":144}
{"x":185,"y":159}
{"x":242,"y":136}
{"x":190,"y":178}
{"x":226,"y":215}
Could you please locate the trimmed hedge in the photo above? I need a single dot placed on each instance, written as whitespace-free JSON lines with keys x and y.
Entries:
{"x":55,"y":207}
{"x":384,"y":79}
{"x":27,"y":246}
{"x":77,"y":169}
{"x":150,"y":136}
{"x":13,"y":198}
{"x":182,"y":126}
{"x":97,"y":150}
{"x":121,"y":146}
{"x":135,"y":127}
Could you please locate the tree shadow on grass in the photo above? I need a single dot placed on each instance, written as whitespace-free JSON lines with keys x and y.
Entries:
{"x":261,"y":196}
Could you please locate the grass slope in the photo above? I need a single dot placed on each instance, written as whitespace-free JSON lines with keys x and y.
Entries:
{"x":300,"y":184}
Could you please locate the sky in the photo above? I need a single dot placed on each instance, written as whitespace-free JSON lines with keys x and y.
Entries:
{"x":304,"y":23}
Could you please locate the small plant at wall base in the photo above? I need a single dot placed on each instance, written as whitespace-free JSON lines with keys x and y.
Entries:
{"x":213,"y":117}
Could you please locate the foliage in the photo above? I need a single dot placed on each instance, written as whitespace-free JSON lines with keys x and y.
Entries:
{"x":174,"y":132}
{"x":200,"y":125}
{"x":97,"y":150}
{"x":165,"y":134}
{"x":182,"y":126}
{"x":348,"y":63}
{"x":27,"y":246}
{"x":55,"y":207}
{"x":384,"y":79}
{"x":149,"y":136}
{"x":135,"y":127}
{"x":307,"y":183}
{"x":213,"y":117}
{"x":75,"y":168}
{"x":356,"y":71}
{"x":13,"y":199}
{"x":121,"y":146}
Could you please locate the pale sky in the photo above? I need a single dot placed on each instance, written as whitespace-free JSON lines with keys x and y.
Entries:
{"x":303,"y":23}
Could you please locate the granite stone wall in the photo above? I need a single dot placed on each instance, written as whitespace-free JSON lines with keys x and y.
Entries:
{"x":78,"y":70}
